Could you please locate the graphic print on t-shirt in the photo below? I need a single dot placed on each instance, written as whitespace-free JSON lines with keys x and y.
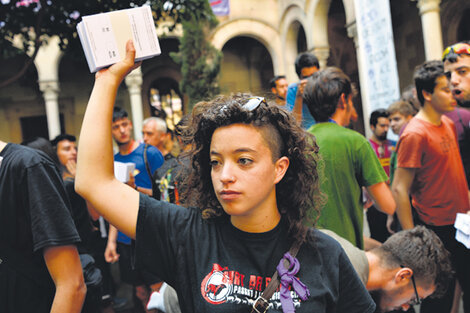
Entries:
{"x":223,"y":285}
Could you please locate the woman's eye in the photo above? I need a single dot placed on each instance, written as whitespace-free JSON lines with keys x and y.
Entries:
{"x":214,"y":163}
{"x":245,"y":161}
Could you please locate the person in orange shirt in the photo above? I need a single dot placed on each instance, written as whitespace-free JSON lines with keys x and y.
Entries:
{"x":430,"y":170}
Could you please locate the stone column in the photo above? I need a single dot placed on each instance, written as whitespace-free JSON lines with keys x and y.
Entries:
{"x":134,"y":85}
{"x":47,"y":64}
{"x":431,"y":24}
{"x":352,"y":33}
{"x":50,"y":91}
{"x":322,"y":53}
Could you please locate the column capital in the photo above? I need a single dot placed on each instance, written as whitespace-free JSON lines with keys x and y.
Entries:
{"x":352,"y":32}
{"x":49,"y":88}
{"x":134,"y":81}
{"x":322,"y":53}
{"x":426,"y":6}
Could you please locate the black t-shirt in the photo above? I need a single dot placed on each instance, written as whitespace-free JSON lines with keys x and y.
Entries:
{"x":80,"y":217}
{"x":215,"y":267}
{"x":34,"y":214}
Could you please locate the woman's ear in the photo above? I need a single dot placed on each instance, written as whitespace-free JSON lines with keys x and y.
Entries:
{"x":281,"y":166}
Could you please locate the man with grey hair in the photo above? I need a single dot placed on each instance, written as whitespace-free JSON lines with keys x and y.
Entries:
{"x":154,"y":131}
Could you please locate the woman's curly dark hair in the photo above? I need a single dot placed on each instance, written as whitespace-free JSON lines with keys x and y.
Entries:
{"x":297,"y":193}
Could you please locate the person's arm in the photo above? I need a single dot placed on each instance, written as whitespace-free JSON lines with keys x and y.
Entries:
{"x":146,"y":191}
{"x":297,"y":110}
{"x":382,"y":197}
{"x":92,"y":212}
{"x":65,"y":269}
{"x":401,"y":191}
{"x":131,"y":183}
{"x":370,"y":243}
{"x":110,"y":253}
{"x":95,"y":181}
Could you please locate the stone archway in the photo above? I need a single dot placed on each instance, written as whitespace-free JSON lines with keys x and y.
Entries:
{"x":246,"y":66}
{"x":161,"y":95}
{"x":454,"y":15}
{"x":261,"y":31}
{"x":293,"y":26}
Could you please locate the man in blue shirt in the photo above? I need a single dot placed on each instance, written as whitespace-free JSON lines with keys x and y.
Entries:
{"x":305,"y":65}
{"x":119,"y":245}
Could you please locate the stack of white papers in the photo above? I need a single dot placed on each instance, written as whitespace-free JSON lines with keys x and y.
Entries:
{"x":104,"y":36}
{"x":462,"y":224}
{"x":122,"y":171}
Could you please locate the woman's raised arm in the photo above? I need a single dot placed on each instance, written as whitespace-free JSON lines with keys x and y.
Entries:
{"x":95,"y":181}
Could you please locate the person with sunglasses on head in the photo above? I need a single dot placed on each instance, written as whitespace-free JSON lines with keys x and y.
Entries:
{"x":430,"y":170}
{"x":253,"y":177}
{"x":456,"y":60}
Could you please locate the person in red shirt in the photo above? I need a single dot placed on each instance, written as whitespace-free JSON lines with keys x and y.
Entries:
{"x":430,"y":170}
{"x":383,"y":148}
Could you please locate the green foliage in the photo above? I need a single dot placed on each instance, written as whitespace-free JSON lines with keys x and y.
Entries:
{"x":199,"y":60}
{"x":60,"y":17}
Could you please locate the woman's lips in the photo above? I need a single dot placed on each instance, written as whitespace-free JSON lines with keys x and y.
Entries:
{"x":229,"y":195}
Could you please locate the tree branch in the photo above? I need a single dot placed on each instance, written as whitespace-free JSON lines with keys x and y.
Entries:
{"x":37,"y":45}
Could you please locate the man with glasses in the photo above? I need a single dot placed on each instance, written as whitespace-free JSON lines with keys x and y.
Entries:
{"x":430,"y":170}
{"x":410,"y":266}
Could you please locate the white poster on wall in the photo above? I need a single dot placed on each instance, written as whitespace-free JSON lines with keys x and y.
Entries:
{"x":377,"y":60}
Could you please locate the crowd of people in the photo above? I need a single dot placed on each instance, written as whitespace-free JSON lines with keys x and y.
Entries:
{"x":247,"y":205}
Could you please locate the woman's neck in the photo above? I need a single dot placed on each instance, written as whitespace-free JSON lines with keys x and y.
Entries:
{"x":260,"y":220}
{"x":250,"y":225}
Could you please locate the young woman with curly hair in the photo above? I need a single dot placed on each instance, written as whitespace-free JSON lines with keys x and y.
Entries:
{"x":253,"y":179}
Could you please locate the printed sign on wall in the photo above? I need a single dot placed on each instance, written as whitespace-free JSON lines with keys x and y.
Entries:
{"x":379,"y":77}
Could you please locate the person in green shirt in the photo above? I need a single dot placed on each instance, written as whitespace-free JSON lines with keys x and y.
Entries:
{"x":348,"y":160}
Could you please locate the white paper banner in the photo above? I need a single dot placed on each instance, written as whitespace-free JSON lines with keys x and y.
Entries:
{"x":379,"y":77}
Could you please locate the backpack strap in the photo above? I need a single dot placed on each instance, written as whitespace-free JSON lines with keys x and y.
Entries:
{"x":147,"y":166}
{"x":261,"y":304}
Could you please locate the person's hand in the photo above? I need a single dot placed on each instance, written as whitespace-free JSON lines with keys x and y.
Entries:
{"x":131,"y":181}
{"x":120,"y":69}
{"x":389,"y":223}
{"x":110,"y":254}
{"x":300,"y":87}
{"x":366,"y":199}
{"x":71,"y":167}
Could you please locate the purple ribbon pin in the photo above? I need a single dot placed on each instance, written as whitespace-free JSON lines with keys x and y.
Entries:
{"x":288,"y":279}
